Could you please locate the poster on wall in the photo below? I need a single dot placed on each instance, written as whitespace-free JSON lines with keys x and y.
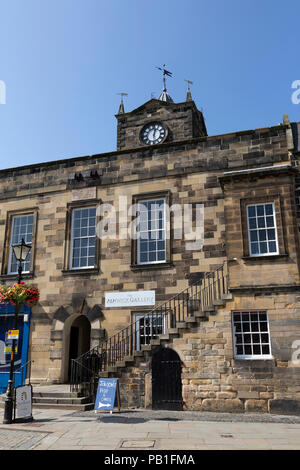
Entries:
{"x":6,"y":341}
{"x":19,"y":333}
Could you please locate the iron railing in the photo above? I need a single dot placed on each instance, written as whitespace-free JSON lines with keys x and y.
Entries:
{"x":197,"y":297}
{"x":25,"y":371}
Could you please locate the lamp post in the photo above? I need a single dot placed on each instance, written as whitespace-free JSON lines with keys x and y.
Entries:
{"x":21,"y":252}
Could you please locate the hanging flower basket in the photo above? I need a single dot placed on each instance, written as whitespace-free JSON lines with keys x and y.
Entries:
{"x":19,"y":294}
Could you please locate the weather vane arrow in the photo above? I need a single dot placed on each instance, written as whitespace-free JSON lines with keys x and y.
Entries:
{"x":121,"y":107}
{"x":165,"y":72}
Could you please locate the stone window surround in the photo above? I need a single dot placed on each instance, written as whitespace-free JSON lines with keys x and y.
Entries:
{"x":258,"y":230}
{"x":7,"y":238}
{"x":166,"y":194}
{"x":67,"y":249}
{"x":276,"y":200}
{"x":246,"y":356}
{"x":137,"y":315}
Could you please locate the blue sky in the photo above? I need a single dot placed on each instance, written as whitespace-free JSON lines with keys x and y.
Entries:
{"x":64,"y":61}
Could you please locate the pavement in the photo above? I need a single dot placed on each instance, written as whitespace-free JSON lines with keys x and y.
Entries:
{"x":151,"y":431}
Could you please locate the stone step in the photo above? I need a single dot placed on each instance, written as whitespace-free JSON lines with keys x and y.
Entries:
{"x":200,"y":314}
{"x":104,"y":375}
{"x":60,"y":406}
{"x":193,"y":304}
{"x":129,"y":359}
{"x":120,"y":364}
{"x":165,"y":337}
{"x":155,"y":342}
{"x":138,"y":353}
{"x":191,"y":319}
{"x":181,"y":325}
{"x":60,"y":401}
{"x":56,"y":394}
{"x":219,"y":303}
{"x":227,"y":296}
{"x":172,"y":331}
{"x":209,"y":309}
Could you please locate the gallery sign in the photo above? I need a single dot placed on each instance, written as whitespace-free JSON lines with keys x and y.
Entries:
{"x":130,"y":299}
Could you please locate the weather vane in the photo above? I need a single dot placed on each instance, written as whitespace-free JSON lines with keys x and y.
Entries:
{"x":188,"y":94}
{"x":121,"y":107}
{"x":165,"y":72}
{"x":189,"y":83}
{"x":122,"y":95}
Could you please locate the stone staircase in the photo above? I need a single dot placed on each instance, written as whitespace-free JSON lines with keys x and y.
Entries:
{"x":61,"y":400}
{"x":193,"y":320}
{"x":121,"y":352}
{"x":57,"y":396}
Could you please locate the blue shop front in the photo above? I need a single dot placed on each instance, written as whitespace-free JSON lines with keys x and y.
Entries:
{"x":7,"y":312}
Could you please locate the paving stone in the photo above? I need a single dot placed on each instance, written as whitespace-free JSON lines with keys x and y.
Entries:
{"x":140,"y":444}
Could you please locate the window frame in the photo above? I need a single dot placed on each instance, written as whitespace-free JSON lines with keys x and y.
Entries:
{"x":7,"y":251}
{"x":67,"y":269}
{"x":251,"y":356}
{"x":139,"y":316}
{"x":163,"y":229}
{"x":72,"y":238}
{"x":10,"y":254}
{"x":135,"y":264}
{"x":258,"y":229}
{"x":278,"y":218}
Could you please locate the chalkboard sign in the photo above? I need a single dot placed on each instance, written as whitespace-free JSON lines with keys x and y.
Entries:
{"x":107,"y":392}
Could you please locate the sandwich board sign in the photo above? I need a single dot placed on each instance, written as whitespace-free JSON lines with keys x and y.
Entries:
{"x":23,"y":403}
{"x":107,"y":393}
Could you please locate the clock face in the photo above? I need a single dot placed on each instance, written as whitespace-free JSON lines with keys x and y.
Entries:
{"x":153,"y":133}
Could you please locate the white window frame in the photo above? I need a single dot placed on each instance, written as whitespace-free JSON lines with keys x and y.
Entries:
{"x":10,"y":256}
{"x":163,"y":229}
{"x":71,"y":267}
{"x":234,"y":333}
{"x":138,"y":317}
{"x":273,"y":253}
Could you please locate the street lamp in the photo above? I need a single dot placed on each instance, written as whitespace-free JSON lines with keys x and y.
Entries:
{"x":21,"y":251}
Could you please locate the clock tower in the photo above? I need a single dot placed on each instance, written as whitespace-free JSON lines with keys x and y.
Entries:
{"x":159,"y":121}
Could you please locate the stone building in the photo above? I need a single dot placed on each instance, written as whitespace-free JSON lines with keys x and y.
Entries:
{"x":235,"y":346}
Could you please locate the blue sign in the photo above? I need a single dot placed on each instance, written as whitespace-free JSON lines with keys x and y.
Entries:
{"x":106,"y":394}
{"x":7,"y":322}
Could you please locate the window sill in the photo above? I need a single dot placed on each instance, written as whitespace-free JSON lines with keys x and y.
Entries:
{"x":265,"y":257}
{"x":255,"y":358}
{"x":14,"y":277}
{"x":147,"y":267}
{"x":79,"y":272}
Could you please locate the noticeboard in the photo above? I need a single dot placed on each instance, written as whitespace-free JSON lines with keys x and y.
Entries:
{"x":107,"y":393}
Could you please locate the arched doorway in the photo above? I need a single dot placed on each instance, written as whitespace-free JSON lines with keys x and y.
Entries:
{"x":77,"y":341}
{"x":166,"y":380}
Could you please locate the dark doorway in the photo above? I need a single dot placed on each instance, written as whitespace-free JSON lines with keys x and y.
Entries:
{"x":79,"y":339}
{"x":74,"y":342}
{"x":166,"y":380}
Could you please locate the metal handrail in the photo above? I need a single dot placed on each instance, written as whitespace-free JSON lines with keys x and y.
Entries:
{"x":22,"y":368}
{"x":122,"y":344}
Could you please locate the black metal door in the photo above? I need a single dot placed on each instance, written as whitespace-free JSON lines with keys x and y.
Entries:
{"x":166,"y":380}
